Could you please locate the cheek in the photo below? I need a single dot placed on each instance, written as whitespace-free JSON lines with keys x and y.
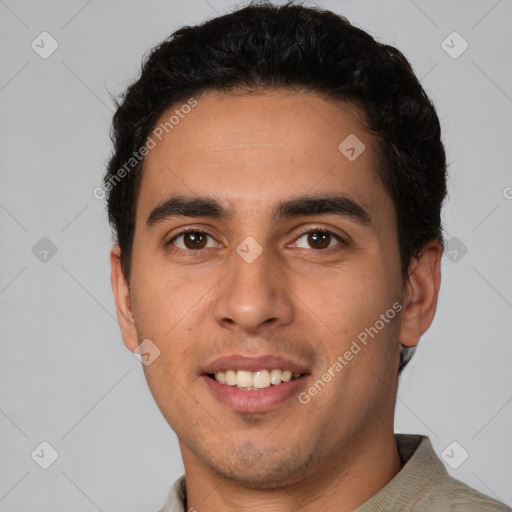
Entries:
{"x":356,"y":307}
{"x":350,"y":298}
{"x":169,"y":310}
{"x":164,"y":298}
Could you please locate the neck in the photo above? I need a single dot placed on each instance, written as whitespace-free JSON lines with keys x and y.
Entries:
{"x":342,"y":482}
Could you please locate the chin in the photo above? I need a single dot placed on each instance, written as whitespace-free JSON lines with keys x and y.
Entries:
{"x":249,"y":467}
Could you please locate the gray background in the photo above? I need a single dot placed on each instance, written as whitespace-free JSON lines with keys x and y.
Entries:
{"x":67,"y":379}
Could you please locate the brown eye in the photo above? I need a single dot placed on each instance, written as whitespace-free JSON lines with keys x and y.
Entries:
{"x":318,"y":239}
{"x":191,"y":240}
{"x":194,"y":240}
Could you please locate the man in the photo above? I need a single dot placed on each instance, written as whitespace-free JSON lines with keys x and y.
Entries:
{"x":275,"y":193}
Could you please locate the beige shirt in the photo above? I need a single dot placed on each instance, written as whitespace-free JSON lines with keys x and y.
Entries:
{"x":423,"y":485}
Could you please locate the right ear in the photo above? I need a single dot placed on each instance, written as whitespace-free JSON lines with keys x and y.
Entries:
{"x":121,"y":290}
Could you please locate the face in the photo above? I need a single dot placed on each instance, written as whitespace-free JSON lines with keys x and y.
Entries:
{"x":261,"y":246}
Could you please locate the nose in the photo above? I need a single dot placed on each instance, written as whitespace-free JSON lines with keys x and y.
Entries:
{"x":254,"y":296}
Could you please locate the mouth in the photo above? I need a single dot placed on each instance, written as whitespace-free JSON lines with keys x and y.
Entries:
{"x":254,"y":384}
{"x":252,"y":381}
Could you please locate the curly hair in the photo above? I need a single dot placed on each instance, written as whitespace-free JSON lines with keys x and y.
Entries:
{"x":264,"y":47}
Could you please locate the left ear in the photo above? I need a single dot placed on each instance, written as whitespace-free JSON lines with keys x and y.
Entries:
{"x":422,"y":290}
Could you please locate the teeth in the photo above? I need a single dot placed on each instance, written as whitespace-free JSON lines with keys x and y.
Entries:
{"x":261,"y":379}
{"x":275,"y":376}
{"x":243,"y":379}
{"x":230,"y":377}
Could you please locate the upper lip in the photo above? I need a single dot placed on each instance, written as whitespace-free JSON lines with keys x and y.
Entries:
{"x":253,"y":364}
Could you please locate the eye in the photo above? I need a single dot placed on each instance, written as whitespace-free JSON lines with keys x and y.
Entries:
{"x":191,"y":240}
{"x":318,"y":239}
{"x":196,"y":240}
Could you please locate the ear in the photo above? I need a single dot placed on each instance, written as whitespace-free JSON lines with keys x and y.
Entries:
{"x":121,"y":290}
{"x":422,"y":290}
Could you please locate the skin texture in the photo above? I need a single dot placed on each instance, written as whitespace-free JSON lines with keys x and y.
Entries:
{"x":295,"y":300}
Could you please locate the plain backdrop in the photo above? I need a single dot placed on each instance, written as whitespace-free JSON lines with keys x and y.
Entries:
{"x":66,"y":377}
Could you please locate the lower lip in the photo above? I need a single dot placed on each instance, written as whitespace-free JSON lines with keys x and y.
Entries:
{"x":260,"y":400}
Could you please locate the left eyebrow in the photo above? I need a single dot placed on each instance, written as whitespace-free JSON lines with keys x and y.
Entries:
{"x":340,"y":205}
{"x":205,"y":206}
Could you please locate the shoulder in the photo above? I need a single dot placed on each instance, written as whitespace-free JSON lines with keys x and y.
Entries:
{"x":449,"y":494}
{"x":424,"y":484}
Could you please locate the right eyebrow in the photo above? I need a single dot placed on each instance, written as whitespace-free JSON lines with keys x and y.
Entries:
{"x":187,"y":206}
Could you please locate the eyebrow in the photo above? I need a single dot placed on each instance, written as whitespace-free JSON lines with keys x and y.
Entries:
{"x":205,"y":206}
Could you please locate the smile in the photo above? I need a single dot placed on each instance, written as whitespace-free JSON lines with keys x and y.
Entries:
{"x":251,"y":381}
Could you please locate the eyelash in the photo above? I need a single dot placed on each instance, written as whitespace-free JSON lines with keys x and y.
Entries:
{"x":196,"y":252}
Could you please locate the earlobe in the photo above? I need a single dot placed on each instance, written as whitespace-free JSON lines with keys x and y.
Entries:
{"x":421,"y":294}
{"x":122,"y":299}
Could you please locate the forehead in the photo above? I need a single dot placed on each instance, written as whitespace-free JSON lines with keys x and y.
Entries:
{"x":252,"y":149}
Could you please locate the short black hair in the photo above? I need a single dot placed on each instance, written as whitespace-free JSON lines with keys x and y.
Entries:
{"x":265,"y":47}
